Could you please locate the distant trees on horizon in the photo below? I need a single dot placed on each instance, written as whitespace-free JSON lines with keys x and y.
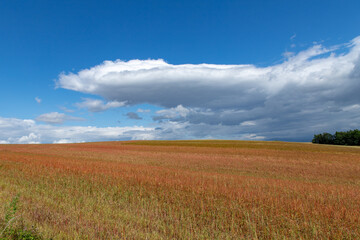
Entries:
{"x":351,"y":138}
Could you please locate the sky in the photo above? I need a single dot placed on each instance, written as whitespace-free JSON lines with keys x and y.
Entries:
{"x":80,"y":71}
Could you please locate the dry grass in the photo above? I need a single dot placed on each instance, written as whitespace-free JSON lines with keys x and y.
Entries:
{"x":185,"y":189}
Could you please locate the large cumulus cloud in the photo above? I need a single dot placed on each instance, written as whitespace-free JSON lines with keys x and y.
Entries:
{"x":314,"y":90}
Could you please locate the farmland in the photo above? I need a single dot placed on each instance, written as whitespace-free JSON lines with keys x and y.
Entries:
{"x":184,"y":189}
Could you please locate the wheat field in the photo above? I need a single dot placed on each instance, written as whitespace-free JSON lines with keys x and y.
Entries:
{"x":209,"y":189}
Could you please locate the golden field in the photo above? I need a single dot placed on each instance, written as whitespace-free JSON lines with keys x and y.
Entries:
{"x":184,"y":189}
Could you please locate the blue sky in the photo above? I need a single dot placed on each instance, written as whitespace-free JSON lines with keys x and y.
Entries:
{"x":256,"y":50}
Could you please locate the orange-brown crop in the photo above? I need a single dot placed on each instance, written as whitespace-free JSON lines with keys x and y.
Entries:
{"x":185,"y":189}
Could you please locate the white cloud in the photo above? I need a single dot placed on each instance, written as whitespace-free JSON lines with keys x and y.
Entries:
{"x":310,"y":91}
{"x":209,"y":85}
{"x":140,"y":110}
{"x":293,"y":36}
{"x":288,"y":54}
{"x":56,"y":118}
{"x":248,"y":123}
{"x":63,"y":141}
{"x":38,"y":100}
{"x":254,"y":137}
{"x":355,"y":107}
{"x":27,"y":131}
{"x":171,"y":113}
{"x":65,"y":109}
{"x":96,"y":105}
{"x":32,"y":138}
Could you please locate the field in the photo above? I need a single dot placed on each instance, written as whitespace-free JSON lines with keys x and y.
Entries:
{"x":184,"y":189}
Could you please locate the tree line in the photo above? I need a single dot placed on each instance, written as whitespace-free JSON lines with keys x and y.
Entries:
{"x":351,"y":137}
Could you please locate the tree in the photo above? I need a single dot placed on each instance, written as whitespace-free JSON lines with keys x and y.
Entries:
{"x":324,"y":138}
{"x":351,"y":137}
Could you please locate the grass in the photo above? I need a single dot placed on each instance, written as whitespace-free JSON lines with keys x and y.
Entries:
{"x":12,"y":227}
{"x":184,"y":190}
